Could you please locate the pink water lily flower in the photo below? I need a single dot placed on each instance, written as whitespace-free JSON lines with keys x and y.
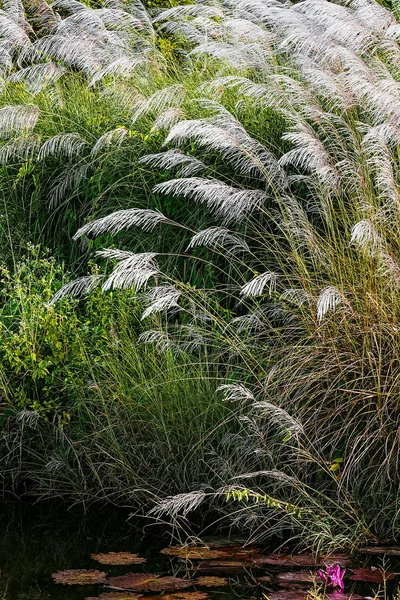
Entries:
{"x":333,"y":577}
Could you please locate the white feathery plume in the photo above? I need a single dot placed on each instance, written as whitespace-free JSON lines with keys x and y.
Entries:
{"x":328,"y":300}
{"x":70,"y":6}
{"x":171,"y":96}
{"x":144,"y":218}
{"x":252,"y":322}
{"x":236,"y":392}
{"x":374,"y":16}
{"x":15,"y":11}
{"x":132,"y":270}
{"x":162,"y":298}
{"x":238,"y":56}
{"x":227,"y":136}
{"x":81,"y":52}
{"x":296,"y":296}
{"x":115,"y":137}
{"x":168,"y":119}
{"x":37,"y":76}
{"x":66,"y":183}
{"x":179,"y":505}
{"x":78,"y":287}
{"x":171,"y":159}
{"x":309,"y":154}
{"x":19,"y":149}
{"x":13,"y":32}
{"x":45,"y":19}
{"x":226,"y":202}
{"x":63,"y":145}
{"x":366,"y":238}
{"x":215,"y":237}
{"x":18,"y":118}
{"x":160,"y":339}
{"x":248,"y":31}
{"x":381,"y":161}
{"x":181,"y":29}
{"x":256,"y":286}
{"x":28,"y":417}
{"x":121,"y":67}
{"x":188,"y":10}
{"x":133,"y":7}
{"x":280,"y":416}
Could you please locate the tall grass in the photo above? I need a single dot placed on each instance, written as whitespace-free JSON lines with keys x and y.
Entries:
{"x":274,"y":249}
{"x":310,"y":232}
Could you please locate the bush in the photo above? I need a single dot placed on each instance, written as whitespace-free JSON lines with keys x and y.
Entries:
{"x":88,"y":412}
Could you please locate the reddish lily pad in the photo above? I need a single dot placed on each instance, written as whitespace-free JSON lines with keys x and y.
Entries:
{"x":131,"y":581}
{"x":79,"y":577}
{"x":182,"y":596}
{"x":342,"y":596}
{"x":389,"y":550}
{"x":264,"y":579}
{"x":205,"y":553}
{"x":371,"y":575}
{"x":288,"y":595}
{"x":211,"y":581}
{"x":116,"y":596}
{"x":118,"y":558}
{"x":226,"y":567}
{"x":296,"y":577}
{"x":301,"y":560}
{"x":148,"y":583}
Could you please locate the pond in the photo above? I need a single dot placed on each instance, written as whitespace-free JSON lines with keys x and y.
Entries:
{"x":36,"y":543}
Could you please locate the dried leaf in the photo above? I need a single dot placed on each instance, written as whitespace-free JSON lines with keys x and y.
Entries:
{"x":212,"y":581}
{"x":79,"y":577}
{"x":148,"y":583}
{"x":302,"y":560}
{"x":118,"y":558}
{"x":204,"y":553}
{"x":371,"y":575}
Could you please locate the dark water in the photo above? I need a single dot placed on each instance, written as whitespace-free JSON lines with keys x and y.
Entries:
{"x":34,"y":543}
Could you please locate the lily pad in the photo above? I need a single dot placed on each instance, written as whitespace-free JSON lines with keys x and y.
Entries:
{"x":342,"y":596}
{"x":79,"y":577}
{"x":226,"y":567}
{"x":148,"y":583}
{"x":181,"y":596}
{"x":211,"y":581}
{"x":389,"y":550}
{"x":371,"y":575}
{"x":131,"y":581}
{"x":264,"y":579}
{"x":118,"y":558}
{"x":116,"y":596}
{"x":296,"y":577}
{"x":301,"y":560}
{"x":205,"y":553}
{"x":288,"y":595}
